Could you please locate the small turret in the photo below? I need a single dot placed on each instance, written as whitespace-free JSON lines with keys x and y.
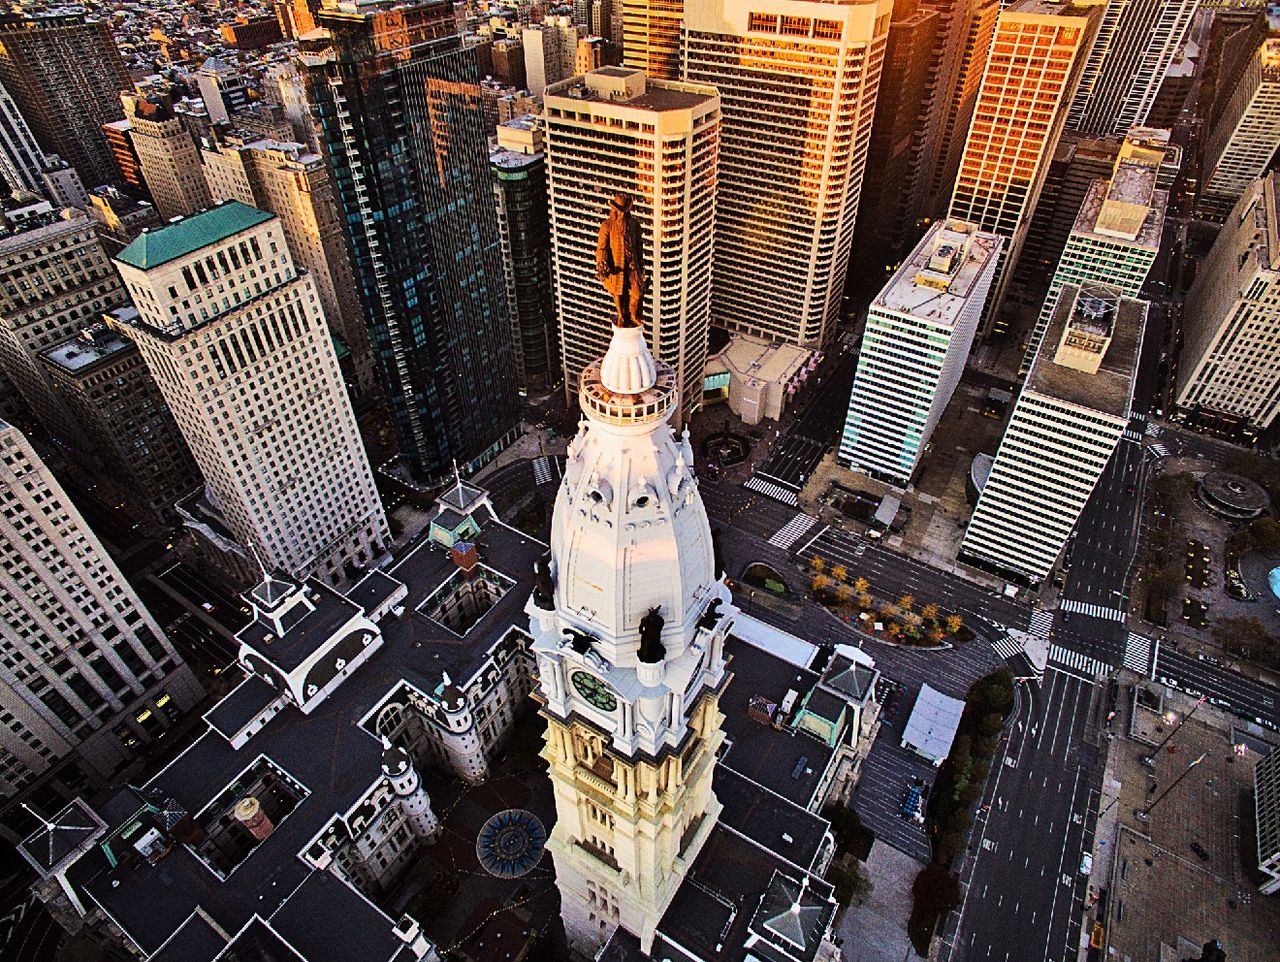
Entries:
{"x":412,"y":798}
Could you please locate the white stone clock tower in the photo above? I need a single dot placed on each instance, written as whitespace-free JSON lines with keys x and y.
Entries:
{"x":629,"y":622}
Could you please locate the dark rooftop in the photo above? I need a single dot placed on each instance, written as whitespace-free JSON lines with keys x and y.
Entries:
{"x":326,"y":919}
{"x":303,"y":635}
{"x":197,"y":939}
{"x":241,"y":706}
{"x":786,"y":762}
{"x":327,"y":752}
{"x":713,"y":917}
{"x":779,"y":825}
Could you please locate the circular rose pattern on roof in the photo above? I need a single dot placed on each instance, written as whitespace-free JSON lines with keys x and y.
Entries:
{"x":511,"y":843}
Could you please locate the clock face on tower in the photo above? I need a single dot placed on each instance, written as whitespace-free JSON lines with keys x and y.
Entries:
{"x":595,"y":691}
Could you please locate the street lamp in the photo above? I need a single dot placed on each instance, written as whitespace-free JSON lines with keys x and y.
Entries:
{"x":1169,"y":718}
{"x":1145,"y":814}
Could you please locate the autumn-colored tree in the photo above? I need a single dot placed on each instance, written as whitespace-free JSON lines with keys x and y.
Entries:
{"x":818,"y":564}
{"x":861,"y":585}
{"x":954,"y":623}
{"x":864,"y":600}
{"x":911,"y":619}
{"x":907,"y":602}
{"x":843,"y":593}
{"x":820,"y":584}
{"x":937,"y":634}
{"x":929,"y":612}
{"x":892,"y":627}
{"x":888,"y":610}
{"x":840,"y":573}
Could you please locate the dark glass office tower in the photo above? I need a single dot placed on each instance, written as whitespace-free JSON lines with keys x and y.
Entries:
{"x":398,"y":99}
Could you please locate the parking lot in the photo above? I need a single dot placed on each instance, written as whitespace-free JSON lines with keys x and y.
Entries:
{"x":886,"y":773}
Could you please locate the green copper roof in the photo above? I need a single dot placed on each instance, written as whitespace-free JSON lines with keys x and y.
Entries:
{"x":163,"y":244}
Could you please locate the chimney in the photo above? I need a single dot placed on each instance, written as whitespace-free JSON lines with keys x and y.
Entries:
{"x":465,"y":556}
{"x":249,"y":813}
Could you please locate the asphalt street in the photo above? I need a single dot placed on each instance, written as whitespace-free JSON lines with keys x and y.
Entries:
{"x":793,"y":457}
{"x":1250,"y":699}
{"x":1023,"y":891}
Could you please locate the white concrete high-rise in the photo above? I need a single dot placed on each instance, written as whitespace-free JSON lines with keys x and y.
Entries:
{"x":550,"y":51}
{"x":1064,"y":428}
{"x":798,"y":82}
{"x":86,"y":674}
{"x":1036,"y":58}
{"x":235,"y":337}
{"x":632,"y":705}
{"x":917,"y":338}
{"x":1116,"y":235}
{"x":614,"y":131}
{"x":1241,"y":143}
{"x":1136,"y":43}
{"x":1229,"y":372}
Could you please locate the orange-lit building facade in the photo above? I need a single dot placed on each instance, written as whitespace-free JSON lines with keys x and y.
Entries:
{"x":1032,"y":72}
{"x":651,"y":36}
{"x":798,"y":83}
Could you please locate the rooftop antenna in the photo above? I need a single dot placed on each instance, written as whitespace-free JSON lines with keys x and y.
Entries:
{"x":458,"y":478}
{"x":253,"y":549}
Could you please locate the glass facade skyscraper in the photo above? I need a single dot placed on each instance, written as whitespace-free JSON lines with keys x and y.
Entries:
{"x":398,"y":100}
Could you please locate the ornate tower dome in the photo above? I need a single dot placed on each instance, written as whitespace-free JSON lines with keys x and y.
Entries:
{"x":628,"y":624}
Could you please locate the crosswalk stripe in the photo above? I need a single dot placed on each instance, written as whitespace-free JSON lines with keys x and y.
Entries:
{"x":1153,"y":430}
{"x":1159,"y":450}
{"x":1041,"y":623}
{"x":1137,"y":653}
{"x":792,"y":531}
{"x":771,"y":490}
{"x":1131,"y":435}
{"x":1065,"y":657}
{"x":1092,"y":610}
{"x":1007,"y":647}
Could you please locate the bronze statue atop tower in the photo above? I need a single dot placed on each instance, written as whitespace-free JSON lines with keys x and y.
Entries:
{"x":620,"y":261}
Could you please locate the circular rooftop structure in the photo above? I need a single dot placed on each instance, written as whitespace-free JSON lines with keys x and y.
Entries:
{"x":1233,"y":496}
{"x":511,"y":843}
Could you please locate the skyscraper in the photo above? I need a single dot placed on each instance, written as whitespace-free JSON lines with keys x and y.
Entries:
{"x":524,"y":222}
{"x":1137,"y":41}
{"x":613,"y":131}
{"x":234,"y":335}
{"x":1228,"y":375}
{"x":167,"y":155}
{"x":222,"y":89}
{"x":917,"y":338}
{"x":965,"y":28}
{"x":21,"y":159}
{"x":1063,"y":430}
{"x":633,"y":727}
{"x":103,"y":381}
{"x":397,"y":96}
{"x":292,"y":182}
{"x":88,"y":675}
{"x":651,"y":36}
{"x":66,"y":75}
{"x":1036,"y":57}
{"x":54,"y":279}
{"x":1242,"y":141}
{"x":897,"y":163}
{"x":798,"y":83}
{"x":1116,"y":235}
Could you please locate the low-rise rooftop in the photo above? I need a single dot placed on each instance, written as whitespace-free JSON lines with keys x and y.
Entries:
{"x":940,"y":276}
{"x":1110,"y":390}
